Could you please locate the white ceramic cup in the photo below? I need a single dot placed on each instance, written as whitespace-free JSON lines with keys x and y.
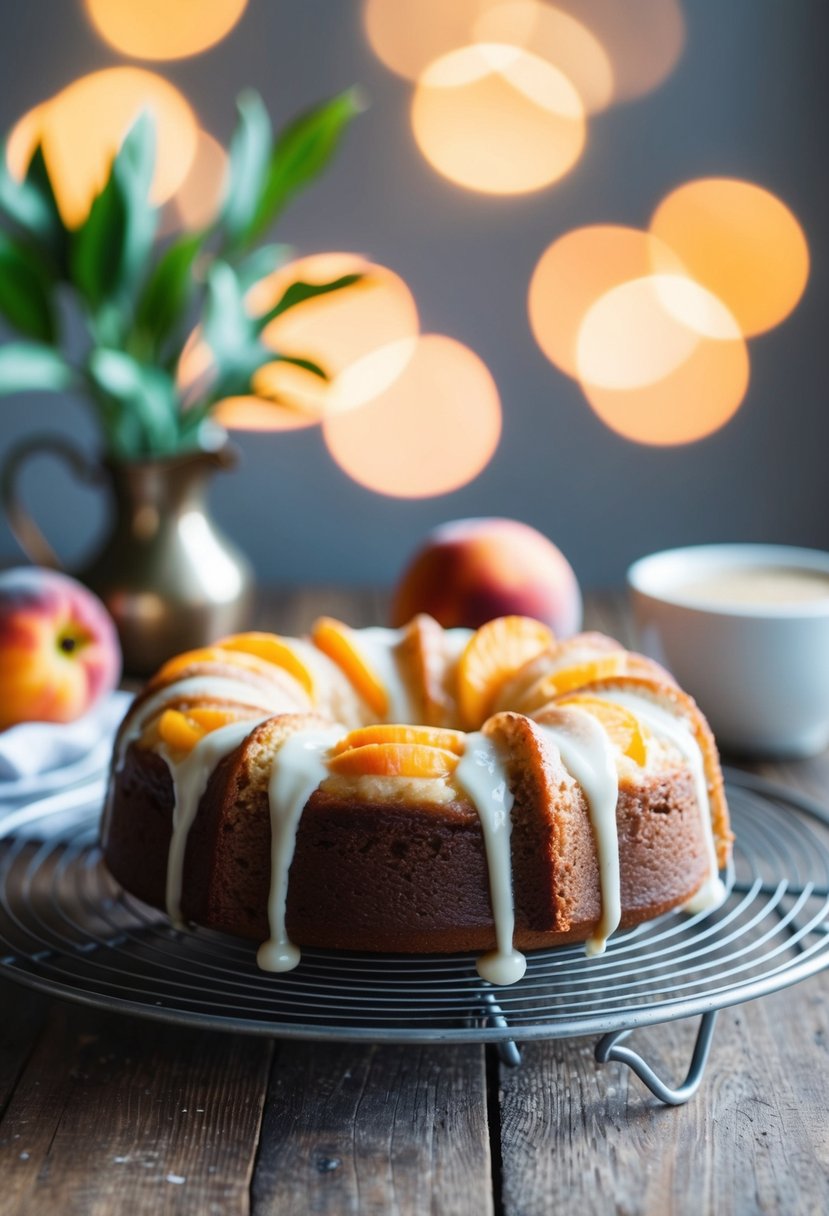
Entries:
{"x":759,"y":671}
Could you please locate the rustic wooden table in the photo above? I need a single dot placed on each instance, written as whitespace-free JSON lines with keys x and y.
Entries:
{"x":102,"y":1114}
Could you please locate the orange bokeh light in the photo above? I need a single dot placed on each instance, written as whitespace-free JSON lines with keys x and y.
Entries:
{"x":337,"y":331}
{"x":497,"y":119}
{"x":642,"y":38}
{"x":432,"y":431}
{"x":670,"y":387}
{"x":408,"y":35}
{"x":742,"y":243}
{"x":644,"y":330}
{"x":260,"y":414}
{"x":556,"y":37}
{"x":197,"y":200}
{"x":358,"y":335}
{"x":289,"y":397}
{"x":576,"y":271}
{"x":83,"y":125}
{"x":163,"y":29}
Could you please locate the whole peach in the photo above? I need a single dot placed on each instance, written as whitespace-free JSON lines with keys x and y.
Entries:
{"x":471,"y":570}
{"x":59,"y":651}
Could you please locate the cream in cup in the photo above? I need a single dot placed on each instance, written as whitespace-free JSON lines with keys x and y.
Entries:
{"x":745,"y":629}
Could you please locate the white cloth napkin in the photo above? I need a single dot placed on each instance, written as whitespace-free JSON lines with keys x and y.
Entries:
{"x":36,"y":754}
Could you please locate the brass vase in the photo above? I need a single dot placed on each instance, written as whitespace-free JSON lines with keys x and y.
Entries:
{"x":168,"y":576}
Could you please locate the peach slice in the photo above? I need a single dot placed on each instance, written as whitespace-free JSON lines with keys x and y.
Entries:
{"x":211,"y":654}
{"x":427,"y":670}
{"x":339,"y":642}
{"x":568,"y":679}
{"x":667,"y":694}
{"x":426,"y":736}
{"x":394,"y":760}
{"x":623,"y":727}
{"x":493,"y":654}
{"x":182,"y":731}
{"x":273,"y":649}
{"x":581,"y":648}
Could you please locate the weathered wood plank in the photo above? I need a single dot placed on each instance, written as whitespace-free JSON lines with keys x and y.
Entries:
{"x":117,"y":1115}
{"x":22,"y":1015}
{"x":374,"y":1131}
{"x":588,"y":1138}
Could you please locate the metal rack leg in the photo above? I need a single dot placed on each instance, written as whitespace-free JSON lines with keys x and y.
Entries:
{"x":609,"y":1048}
{"x":508,"y":1050}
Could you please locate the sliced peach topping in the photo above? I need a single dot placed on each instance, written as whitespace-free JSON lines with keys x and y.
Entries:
{"x":273,"y":649}
{"x":182,"y":730}
{"x":568,"y":679}
{"x":426,"y":736}
{"x":425,"y":667}
{"x":211,"y":654}
{"x":394,"y":760}
{"x":623,"y":727}
{"x":340,"y":643}
{"x":493,"y":654}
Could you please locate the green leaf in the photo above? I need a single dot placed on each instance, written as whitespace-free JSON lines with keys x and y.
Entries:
{"x":250,"y":151}
{"x":110,"y":248}
{"x":300,"y":291}
{"x":228,"y":329}
{"x":25,"y":205}
{"x":137,"y":153}
{"x":164,"y":301}
{"x":135,"y":391}
{"x":230,"y":332}
{"x":31,"y":205}
{"x":307,"y":365}
{"x":25,"y":290}
{"x":259,"y":263}
{"x":97,"y":250}
{"x":33,"y":367}
{"x":302,"y":151}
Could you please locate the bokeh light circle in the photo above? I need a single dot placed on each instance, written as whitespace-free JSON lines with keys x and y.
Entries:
{"x":360,"y":336}
{"x":408,"y":35}
{"x":338,"y":330}
{"x":742,"y":243}
{"x":643,"y":39}
{"x":578,"y":269}
{"x":198,"y":198}
{"x":644,"y":330}
{"x":83,"y":126}
{"x":661,"y":399}
{"x":432,"y":431}
{"x":556,"y":37}
{"x":498,"y":119}
{"x":261,"y":414}
{"x":163,"y":29}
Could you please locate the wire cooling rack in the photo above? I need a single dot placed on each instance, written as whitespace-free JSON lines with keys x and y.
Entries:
{"x":68,"y":929}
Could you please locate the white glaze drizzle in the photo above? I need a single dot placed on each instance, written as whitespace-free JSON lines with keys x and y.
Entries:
{"x":483,"y":777}
{"x":190,"y":777}
{"x":214,"y":687}
{"x":377,"y":646}
{"x":676,"y":730}
{"x":587,"y":754}
{"x":191,"y":688}
{"x":456,"y":642}
{"x":297,"y":770}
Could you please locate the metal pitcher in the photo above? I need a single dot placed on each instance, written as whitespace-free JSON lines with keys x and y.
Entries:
{"x":168,"y":576}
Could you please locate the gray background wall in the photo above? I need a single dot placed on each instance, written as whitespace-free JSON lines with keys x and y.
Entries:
{"x":748,"y":99}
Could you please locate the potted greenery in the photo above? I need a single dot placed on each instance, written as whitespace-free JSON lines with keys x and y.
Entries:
{"x":168,"y":577}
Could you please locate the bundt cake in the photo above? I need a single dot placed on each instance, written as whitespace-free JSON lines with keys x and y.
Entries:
{"x":416,"y":790}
